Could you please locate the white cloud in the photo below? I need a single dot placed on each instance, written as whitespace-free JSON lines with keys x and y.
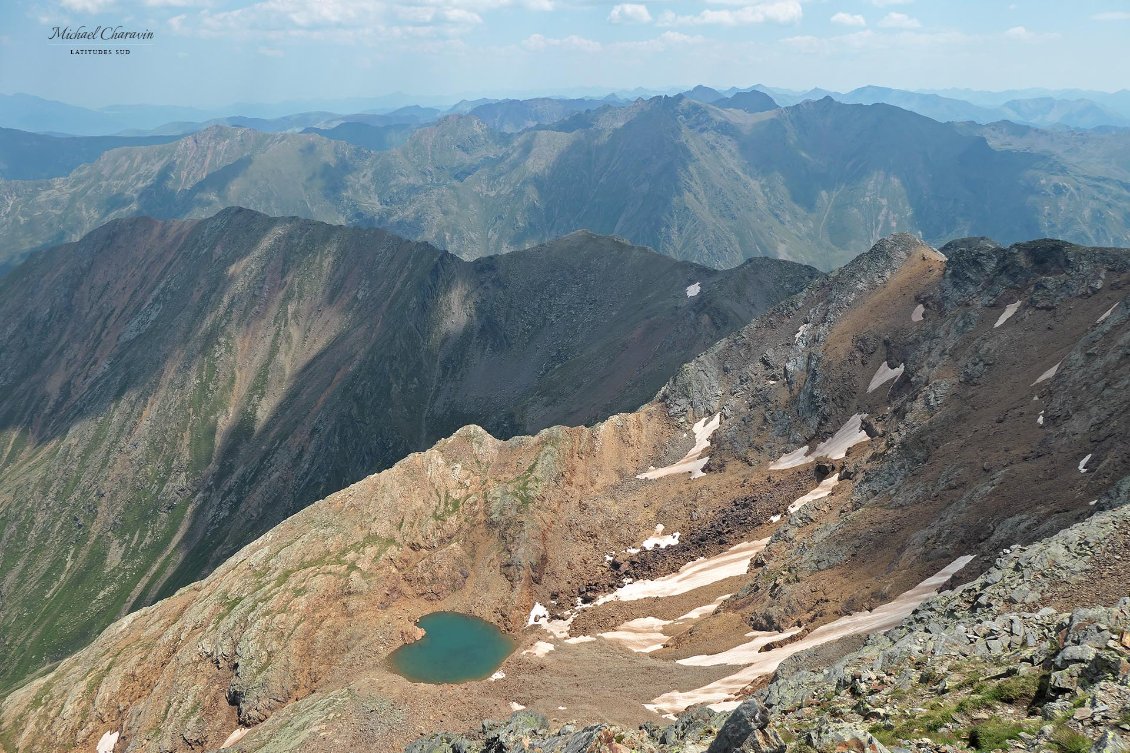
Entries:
{"x":899,"y":21}
{"x":629,"y":13}
{"x":271,"y":52}
{"x":871,"y":40}
{"x":86,"y":6}
{"x":537,"y":42}
{"x":1112,"y":15}
{"x":178,"y":3}
{"x":666,"y":41}
{"x":849,"y":19}
{"x":1022,"y":34}
{"x":341,"y":21}
{"x":781,"y":11}
{"x":886,"y":3}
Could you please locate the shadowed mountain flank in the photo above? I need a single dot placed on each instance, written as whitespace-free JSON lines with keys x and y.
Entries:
{"x":171,"y":389}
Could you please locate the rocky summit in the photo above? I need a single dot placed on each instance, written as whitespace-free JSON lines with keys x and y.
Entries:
{"x":888,"y":514}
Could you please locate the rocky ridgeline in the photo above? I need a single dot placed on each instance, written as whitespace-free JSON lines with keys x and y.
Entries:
{"x":1025,"y":658}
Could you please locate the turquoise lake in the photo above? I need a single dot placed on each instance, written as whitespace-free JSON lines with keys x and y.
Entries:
{"x":455,"y":648}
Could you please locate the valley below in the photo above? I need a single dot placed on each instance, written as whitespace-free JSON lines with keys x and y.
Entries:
{"x":708,"y":570}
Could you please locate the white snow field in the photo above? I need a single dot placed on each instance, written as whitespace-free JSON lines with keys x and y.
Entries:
{"x":833,"y":448}
{"x":1009,"y":310}
{"x":762,"y":663}
{"x":692,"y":462}
{"x":884,"y":375}
{"x":1046,"y":375}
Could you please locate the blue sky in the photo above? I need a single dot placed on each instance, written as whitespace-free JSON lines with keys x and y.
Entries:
{"x":212,"y":52}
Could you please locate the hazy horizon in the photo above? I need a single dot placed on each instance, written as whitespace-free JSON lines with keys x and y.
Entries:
{"x":213,"y":53}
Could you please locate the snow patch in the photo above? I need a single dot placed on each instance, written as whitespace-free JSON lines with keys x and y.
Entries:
{"x":642,"y":635}
{"x":1106,"y":313}
{"x":515,"y":706}
{"x":916,"y":315}
{"x":581,"y":639}
{"x":834,"y":448}
{"x":107,"y":742}
{"x":800,"y":333}
{"x":692,"y":462}
{"x":235,"y":736}
{"x":1083,"y":463}
{"x":1046,"y":375}
{"x":659,"y":540}
{"x":1009,"y":310}
{"x":1040,"y":419}
{"x":742,"y":654}
{"x":774,"y":518}
{"x":764,"y":663}
{"x":539,"y":649}
{"x":539,"y":615}
{"x":699,"y":612}
{"x":558,"y":628}
{"x":883,"y":375}
{"x":701,"y":572}
{"x":820,"y":492}
{"x":693,"y":290}
{"x":497,"y":675}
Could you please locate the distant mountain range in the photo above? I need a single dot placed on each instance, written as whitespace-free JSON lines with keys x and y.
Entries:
{"x":710,"y":183}
{"x":1043,"y":108}
{"x":1043,"y":111}
{"x":169,"y":390}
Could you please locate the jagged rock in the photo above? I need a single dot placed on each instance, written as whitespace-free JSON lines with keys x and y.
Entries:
{"x":1110,"y":742}
{"x":841,"y":738}
{"x":746,"y":731}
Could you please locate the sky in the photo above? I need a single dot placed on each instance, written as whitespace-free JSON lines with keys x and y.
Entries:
{"x":206,"y":53}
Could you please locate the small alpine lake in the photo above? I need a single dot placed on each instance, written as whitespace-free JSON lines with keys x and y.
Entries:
{"x":455,"y":648}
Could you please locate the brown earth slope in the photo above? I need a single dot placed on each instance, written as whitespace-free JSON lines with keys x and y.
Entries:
{"x":171,"y":390}
{"x":950,"y":459}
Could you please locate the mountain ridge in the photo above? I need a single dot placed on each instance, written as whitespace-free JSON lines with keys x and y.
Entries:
{"x":171,"y":388}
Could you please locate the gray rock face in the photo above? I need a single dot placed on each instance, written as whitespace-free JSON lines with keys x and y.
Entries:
{"x":834,"y":738}
{"x":745,"y":732}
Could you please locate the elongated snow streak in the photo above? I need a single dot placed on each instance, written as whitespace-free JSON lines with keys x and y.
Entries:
{"x":235,"y":737}
{"x":761,"y":663}
{"x":916,"y":315}
{"x":1083,"y":463}
{"x":699,"y":612}
{"x":834,"y":448}
{"x":693,"y":290}
{"x":1009,"y":310}
{"x":701,"y":572}
{"x":820,"y":492}
{"x":107,"y":742}
{"x":883,"y":375}
{"x":1106,"y":313}
{"x":1040,"y":419}
{"x":692,"y":462}
{"x":642,"y":635}
{"x":1046,"y":375}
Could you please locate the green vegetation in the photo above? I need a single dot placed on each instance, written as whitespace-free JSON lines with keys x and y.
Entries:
{"x":1067,"y":740}
{"x":993,"y":733}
